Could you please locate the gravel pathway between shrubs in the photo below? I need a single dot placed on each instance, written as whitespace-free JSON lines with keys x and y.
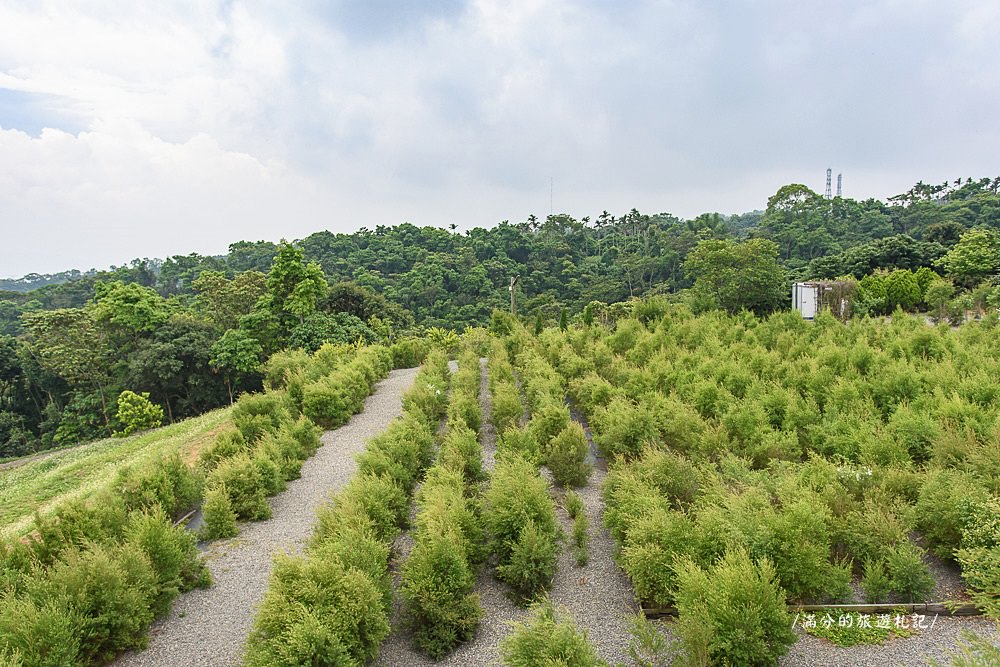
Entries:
{"x":210,"y":627}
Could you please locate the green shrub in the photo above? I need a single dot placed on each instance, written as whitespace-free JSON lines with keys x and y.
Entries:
{"x":547,"y":639}
{"x":566,"y":456}
{"x":317,"y":612}
{"x":256,"y":414}
{"x":101,"y":518}
{"x":622,"y":428}
{"x":42,"y":633}
{"x":167,"y":483}
{"x":531,"y":564}
{"x":173,"y":553}
{"x":909,"y":577}
{"x":939,"y":509}
{"x":979,"y":555}
{"x":465,"y":408}
{"x":226,"y":445}
{"x":246,"y":488}
{"x":359,"y":549}
{"x":517,"y":494}
{"x":137,"y":413}
{"x":110,"y":592}
{"x":548,"y":421}
{"x":327,"y":402}
{"x":733,"y":613}
{"x":400,"y":452}
{"x":218,"y":514}
{"x":269,"y":462}
{"x":283,"y":364}
{"x":654,"y":541}
{"x":378,"y":498}
{"x":875,"y":580}
{"x":506,"y":406}
{"x":437,"y":588}
{"x":461,"y":450}
{"x":409,"y":352}
{"x":574,"y":504}
{"x":522,"y":442}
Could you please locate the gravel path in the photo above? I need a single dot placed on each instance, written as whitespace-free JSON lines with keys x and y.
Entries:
{"x":209,"y":627}
{"x":937,"y":642}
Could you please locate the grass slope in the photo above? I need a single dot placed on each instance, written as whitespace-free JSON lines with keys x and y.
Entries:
{"x":42,"y":483}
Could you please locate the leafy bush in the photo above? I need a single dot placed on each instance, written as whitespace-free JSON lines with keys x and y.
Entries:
{"x":137,"y":413}
{"x":167,"y":483}
{"x":622,"y":428}
{"x":516,"y":496}
{"x":654,"y":541}
{"x":566,"y":456}
{"x":41,"y":633}
{"x":227,"y":444}
{"x":173,"y":554}
{"x":437,"y":587}
{"x":245,"y":487}
{"x":256,"y":414}
{"x":547,"y":639}
{"x":548,"y":421}
{"x":939,"y":509}
{"x":979,"y":555}
{"x":317,"y":612}
{"x":531,"y":564}
{"x":506,"y":406}
{"x":875,"y":580}
{"x":218,"y":514}
{"x":461,"y":451}
{"x":580,"y":526}
{"x":409,"y":352}
{"x":574,"y":504}
{"x":733,"y":613}
{"x":909,"y":577}
{"x":522,"y":442}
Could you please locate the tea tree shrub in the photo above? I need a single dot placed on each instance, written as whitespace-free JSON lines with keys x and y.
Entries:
{"x":653,"y":543}
{"x":939,"y":509}
{"x":522,"y":442}
{"x":506,"y":405}
{"x":622,"y":428}
{"x":317,"y":611}
{"x":220,"y":519}
{"x":733,"y":613}
{"x":243,"y":482}
{"x":548,"y":637}
{"x":531,"y":564}
{"x":566,"y":456}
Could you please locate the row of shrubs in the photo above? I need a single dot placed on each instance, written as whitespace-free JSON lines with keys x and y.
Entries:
{"x":330,"y":605}
{"x":909,"y":411}
{"x":438,"y":577}
{"x":550,"y":436}
{"x":275,"y":433}
{"x":97,"y":571}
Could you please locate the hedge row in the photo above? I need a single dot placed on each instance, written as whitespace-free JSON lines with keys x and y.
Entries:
{"x":561,"y":443}
{"x":438,"y":577}
{"x":330,"y":606}
{"x":275,"y":433}
{"x":97,"y":571}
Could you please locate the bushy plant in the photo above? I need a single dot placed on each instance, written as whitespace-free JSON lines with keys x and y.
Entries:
{"x":522,"y":442}
{"x":246,"y":488}
{"x":517,"y":494}
{"x":41,"y":633}
{"x":256,"y":414}
{"x":875,"y":580}
{"x":548,"y":421}
{"x":225,"y":445}
{"x":531,"y":563}
{"x":566,"y":456}
{"x":167,"y":483}
{"x":437,"y":588}
{"x":733,"y":613}
{"x":653,"y":543}
{"x":460,"y":450}
{"x":506,"y":406}
{"x":172,"y":551}
{"x":137,"y":413}
{"x":580,"y":527}
{"x":622,"y":428}
{"x":317,"y":612}
{"x":573,"y":504}
{"x":218,"y":514}
{"x":548,"y":637}
{"x":938,"y":512}
{"x":909,"y":577}
{"x":409,"y":352}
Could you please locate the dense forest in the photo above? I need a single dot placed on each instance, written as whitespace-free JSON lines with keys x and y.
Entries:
{"x":192,"y":330}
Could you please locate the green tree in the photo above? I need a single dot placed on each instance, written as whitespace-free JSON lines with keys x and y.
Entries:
{"x":137,"y":413}
{"x":902,"y":289}
{"x":128,"y":310}
{"x":225,"y":301}
{"x":975,"y":257}
{"x":293,"y":287}
{"x":738,"y":275}
{"x":938,"y":296}
{"x":237,"y":353}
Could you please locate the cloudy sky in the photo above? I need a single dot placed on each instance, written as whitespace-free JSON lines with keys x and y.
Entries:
{"x":142,"y":129}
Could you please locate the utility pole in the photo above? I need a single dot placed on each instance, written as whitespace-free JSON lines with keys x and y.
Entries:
{"x":513,"y":300}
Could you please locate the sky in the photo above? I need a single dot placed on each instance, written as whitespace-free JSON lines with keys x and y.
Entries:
{"x":148,"y":129}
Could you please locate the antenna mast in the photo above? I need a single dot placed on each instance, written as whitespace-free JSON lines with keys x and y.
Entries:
{"x":829,"y":174}
{"x":840,"y":184}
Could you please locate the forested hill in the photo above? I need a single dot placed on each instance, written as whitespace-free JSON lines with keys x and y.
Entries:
{"x":189,"y":328}
{"x":446,"y":278}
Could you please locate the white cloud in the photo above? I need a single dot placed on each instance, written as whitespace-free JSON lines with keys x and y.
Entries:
{"x":199,"y":123}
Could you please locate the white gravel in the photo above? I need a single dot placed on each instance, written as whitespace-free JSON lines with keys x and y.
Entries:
{"x":209,"y":627}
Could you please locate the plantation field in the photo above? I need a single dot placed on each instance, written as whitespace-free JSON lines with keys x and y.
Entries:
{"x":53,"y":478}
